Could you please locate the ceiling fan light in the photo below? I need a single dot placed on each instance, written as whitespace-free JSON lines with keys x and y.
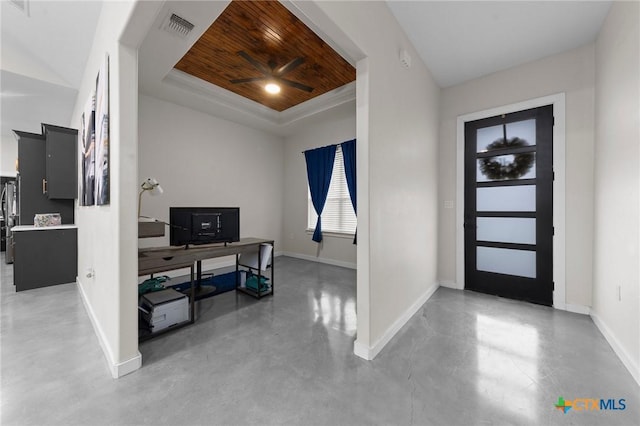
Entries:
{"x":272,"y":88}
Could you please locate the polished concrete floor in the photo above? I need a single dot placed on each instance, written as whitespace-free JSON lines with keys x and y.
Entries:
{"x":463,"y":359}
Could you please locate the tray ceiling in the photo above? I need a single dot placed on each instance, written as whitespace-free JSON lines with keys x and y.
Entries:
{"x":270,"y":37}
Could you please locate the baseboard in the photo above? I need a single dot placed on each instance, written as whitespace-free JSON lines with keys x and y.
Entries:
{"x":577,"y":309}
{"x":369,"y":353}
{"x":627,"y":360}
{"x":126,"y":367}
{"x":569,"y":307}
{"x":320,"y":260}
{"x":118,"y":369}
{"x":362,"y":350}
{"x":451,"y":284}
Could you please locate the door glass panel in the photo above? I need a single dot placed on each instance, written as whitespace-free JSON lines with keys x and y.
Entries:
{"x":506,"y":167}
{"x":520,"y":230}
{"x":525,"y":130}
{"x":488,"y":135}
{"x":521,"y":263}
{"x":520,"y":198}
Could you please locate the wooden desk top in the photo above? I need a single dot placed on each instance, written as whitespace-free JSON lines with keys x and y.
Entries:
{"x":158,"y":259}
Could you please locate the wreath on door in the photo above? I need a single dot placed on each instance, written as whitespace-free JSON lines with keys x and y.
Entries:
{"x":498,"y":170}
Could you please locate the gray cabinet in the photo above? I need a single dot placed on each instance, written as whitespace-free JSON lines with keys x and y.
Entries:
{"x":61,"y":170}
{"x":40,"y":186}
{"x":44,"y":256}
{"x":47,"y":171}
{"x":3,"y":235}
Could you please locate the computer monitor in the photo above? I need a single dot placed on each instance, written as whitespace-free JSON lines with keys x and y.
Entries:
{"x":203,"y":225}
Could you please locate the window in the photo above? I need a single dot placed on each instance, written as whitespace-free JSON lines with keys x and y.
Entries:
{"x":337,"y":215}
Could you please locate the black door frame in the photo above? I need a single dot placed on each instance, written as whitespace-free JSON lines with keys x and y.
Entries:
{"x":538,"y":289}
{"x":558,"y":100}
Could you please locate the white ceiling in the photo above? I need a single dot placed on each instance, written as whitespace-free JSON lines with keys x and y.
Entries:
{"x":43,"y":58}
{"x":44,"y":54}
{"x":463,"y":40}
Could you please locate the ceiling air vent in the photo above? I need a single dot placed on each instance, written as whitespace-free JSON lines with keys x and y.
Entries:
{"x":23,"y":5}
{"x":177,"y":26}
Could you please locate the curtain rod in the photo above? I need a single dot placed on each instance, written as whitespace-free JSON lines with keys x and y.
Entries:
{"x":326,"y":146}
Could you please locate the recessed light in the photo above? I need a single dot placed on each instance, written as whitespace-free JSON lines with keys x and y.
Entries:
{"x":272,"y":88}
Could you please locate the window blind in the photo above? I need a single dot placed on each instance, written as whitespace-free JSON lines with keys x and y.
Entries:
{"x":338,"y":215}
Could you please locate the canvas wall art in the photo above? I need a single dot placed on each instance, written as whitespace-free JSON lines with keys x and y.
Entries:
{"x":87,"y":153}
{"x":94,"y":146}
{"x":101,"y":193}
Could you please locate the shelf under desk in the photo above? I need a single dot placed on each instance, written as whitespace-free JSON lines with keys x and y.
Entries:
{"x":161,"y":259}
{"x":191,"y":296}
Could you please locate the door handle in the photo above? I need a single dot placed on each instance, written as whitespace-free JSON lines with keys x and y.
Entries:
{"x":44,"y":186}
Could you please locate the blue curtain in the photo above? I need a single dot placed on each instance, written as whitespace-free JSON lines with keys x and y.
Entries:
{"x":349,"y":157}
{"x":319,"y":169}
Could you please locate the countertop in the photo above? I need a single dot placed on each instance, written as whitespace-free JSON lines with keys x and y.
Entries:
{"x":41,"y":228}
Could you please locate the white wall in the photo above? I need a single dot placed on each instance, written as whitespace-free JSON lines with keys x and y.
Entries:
{"x":617,"y":184}
{"x":397,"y":132}
{"x":202,"y":160}
{"x":330,"y":127}
{"x":107,"y":242}
{"x":8,"y":156}
{"x":570,"y":72}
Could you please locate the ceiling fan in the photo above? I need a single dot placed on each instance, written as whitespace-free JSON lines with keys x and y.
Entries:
{"x":271,"y":73}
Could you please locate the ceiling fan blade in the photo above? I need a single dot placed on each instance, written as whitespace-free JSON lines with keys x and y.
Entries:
{"x":288,"y":67}
{"x":296,"y":85}
{"x":255,"y":63}
{"x":247,"y":80}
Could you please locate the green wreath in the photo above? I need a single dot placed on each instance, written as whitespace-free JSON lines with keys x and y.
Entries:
{"x":520,"y":166}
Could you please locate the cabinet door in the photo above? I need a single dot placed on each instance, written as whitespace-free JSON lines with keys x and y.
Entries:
{"x":45,"y":257}
{"x":3,"y":237}
{"x":31,"y":163}
{"x":32,"y":173}
{"x":61,"y":168}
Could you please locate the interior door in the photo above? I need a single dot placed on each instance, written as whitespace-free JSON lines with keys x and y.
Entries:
{"x":508,"y":212}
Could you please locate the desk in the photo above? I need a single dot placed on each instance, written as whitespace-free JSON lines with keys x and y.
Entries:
{"x":161,"y":259}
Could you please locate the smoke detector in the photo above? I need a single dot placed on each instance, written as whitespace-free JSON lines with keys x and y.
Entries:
{"x":176,"y":25}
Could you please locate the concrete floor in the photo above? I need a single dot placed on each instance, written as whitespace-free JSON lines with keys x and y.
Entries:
{"x":464,"y":358}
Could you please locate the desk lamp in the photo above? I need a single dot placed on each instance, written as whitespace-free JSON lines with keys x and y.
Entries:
{"x":152,"y":185}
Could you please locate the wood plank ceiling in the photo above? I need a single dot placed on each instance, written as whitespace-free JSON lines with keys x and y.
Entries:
{"x":273,"y":37}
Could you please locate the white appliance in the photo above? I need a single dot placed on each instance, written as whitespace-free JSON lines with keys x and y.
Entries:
{"x":165,"y":308}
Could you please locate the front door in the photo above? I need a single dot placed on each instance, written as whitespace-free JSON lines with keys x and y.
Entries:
{"x":508,"y":212}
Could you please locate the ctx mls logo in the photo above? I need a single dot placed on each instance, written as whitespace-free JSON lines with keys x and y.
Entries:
{"x":589,"y":404}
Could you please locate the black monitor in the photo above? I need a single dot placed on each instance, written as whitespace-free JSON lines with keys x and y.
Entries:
{"x":203,"y":225}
